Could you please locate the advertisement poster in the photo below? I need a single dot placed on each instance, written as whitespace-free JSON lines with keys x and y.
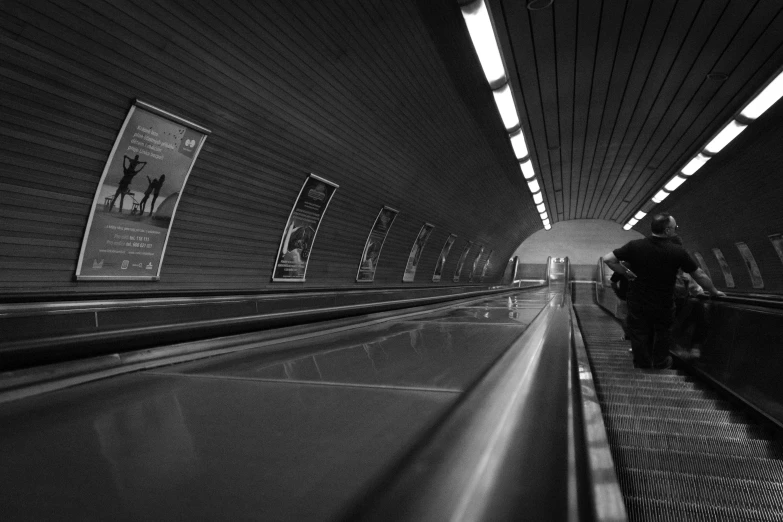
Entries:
{"x":750,"y":263}
{"x":444,"y":253}
{"x":777,"y":244}
{"x":301,"y":228}
{"x":461,"y":261}
{"x":475,"y":265}
{"x":415,"y":255}
{"x":702,"y":264}
{"x":724,"y":267}
{"x":137,"y":195}
{"x":486,"y":266}
{"x":372,"y":247}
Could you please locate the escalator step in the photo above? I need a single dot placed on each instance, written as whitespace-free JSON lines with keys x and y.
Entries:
{"x":674,"y":398}
{"x":683,"y":487}
{"x":685,"y":427}
{"x":676,"y":413}
{"x":698,"y":443}
{"x":703,"y":464}
{"x":643,"y":509}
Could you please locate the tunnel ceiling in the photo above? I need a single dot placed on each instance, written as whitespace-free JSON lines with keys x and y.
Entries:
{"x":616,"y":96}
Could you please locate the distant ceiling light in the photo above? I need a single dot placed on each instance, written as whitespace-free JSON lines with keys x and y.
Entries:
{"x":695,"y":164}
{"x":538,"y":198}
{"x":545,"y":222}
{"x":541,"y":208}
{"x":765,"y":99}
{"x":544,"y":215}
{"x":640,"y":215}
{"x":725,"y":136}
{"x":674,"y":183}
{"x":660,"y":196}
{"x":533,"y":186}
{"x":627,"y":227}
{"x":518,"y":142}
{"x":633,"y":221}
{"x":527,"y":170}
{"x":547,"y":227}
{"x":505,"y":102}
{"x":483,"y":36}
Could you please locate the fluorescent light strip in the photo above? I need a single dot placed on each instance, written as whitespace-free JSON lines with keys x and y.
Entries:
{"x":725,"y":136}
{"x":527,"y":170}
{"x":695,"y":164}
{"x":627,"y":227}
{"x":518,"y":142}
{"x":506,"y":107}
{"x":541,"y":208}
{"x":533,"y":186}
{"x":547,"y":227}
{"x":633,"y":221}
{"x":538,"y":198}
{"x":660,"y":196}
{"x":484,"y":41}
{"x":546,"y":222}
{"x":765,"y":99}
{"x":640,"y":215}
{"x":674,"y":183}
{"x":544,"y":215}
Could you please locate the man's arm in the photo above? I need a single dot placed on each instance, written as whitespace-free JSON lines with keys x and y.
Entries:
{"x":612,"y":262}
{"x":706,"y":283}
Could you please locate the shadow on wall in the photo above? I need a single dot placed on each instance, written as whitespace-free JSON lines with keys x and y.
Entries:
{"x":583,"y":241}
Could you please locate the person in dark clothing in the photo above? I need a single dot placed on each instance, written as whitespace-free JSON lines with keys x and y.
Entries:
{"x":655,"y":261}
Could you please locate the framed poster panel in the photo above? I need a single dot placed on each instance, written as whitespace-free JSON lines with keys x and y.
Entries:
{"x":416,"y":250}
{"x":138,"y":194}
{"x":372,"y":247}
{"x":486,"y":266}
{"x":702,"y":264}
{"x":750,"y":264}
{"x":444,"y":253}
{"x":475,"y":265}
{"x":777,"y":244}
{"x":461,"y":261}
{"x":724,"y":267}
{"x":300,"y":230}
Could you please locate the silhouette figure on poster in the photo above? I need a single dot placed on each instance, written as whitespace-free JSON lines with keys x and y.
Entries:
{"x":152,"y":188}
{"x":130,"y":167}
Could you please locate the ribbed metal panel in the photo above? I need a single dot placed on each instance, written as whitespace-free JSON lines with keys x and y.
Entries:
{"x":680,"y":451}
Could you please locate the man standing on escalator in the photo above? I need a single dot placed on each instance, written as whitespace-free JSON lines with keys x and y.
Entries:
{"x":655,"y":261}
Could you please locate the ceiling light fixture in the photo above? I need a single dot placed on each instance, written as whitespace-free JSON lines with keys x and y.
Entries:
{"x":527,"y":170}
{"x":533,"y":186}
{"x":506,"y":107}
{"x":765,"y":99}
{"x":695,"y":164}
{"x":518,"y":142}
{"x":541,"y":208}
{"x":674,"y":183}
{"x":483,"y":36}
{"x":725,"y":136}
{"x":538,"y":198}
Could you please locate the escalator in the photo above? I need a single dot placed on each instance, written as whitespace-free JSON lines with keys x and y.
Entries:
{"x":681,"y":452}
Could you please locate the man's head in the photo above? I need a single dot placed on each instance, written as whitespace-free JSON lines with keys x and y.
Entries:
{"x":664,"y":225}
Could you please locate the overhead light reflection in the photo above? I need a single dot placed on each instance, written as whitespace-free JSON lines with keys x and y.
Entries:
{"x":674,"y":183}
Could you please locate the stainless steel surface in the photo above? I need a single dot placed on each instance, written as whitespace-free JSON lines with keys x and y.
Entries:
{"x":296,"y":435}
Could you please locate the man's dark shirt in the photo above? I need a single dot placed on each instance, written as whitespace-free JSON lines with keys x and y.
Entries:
{"x":655,"y":261}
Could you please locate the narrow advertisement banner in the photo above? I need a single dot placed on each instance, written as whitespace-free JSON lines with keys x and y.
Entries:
{"x":750,"y":264}
{"x":416,"y":250}
{"x":137,"y":196}
{"x":301,"y":228}
{"x":372,"y":247}
{"x":475,"y":265}
{"x":702,"y":264}
{"x":444,"y":253}
{"x":777,"y":244}
{"x":486,"y":266}
{"x":461,"y":261}
{"x":724,"y":267}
